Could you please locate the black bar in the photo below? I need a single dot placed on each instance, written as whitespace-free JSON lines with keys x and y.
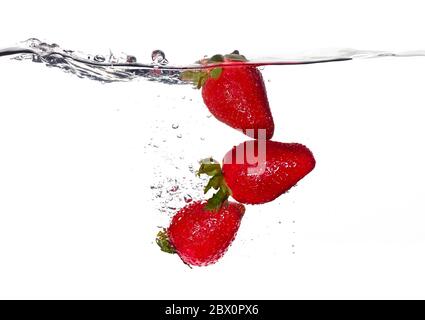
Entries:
{"x":211,"y":309}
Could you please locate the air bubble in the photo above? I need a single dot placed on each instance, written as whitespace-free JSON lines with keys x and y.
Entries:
{"x":99,"y":58}
{"x":32,"y":42}
{"x":175,"y":126}
{"x":188,"y":198}
{"x":174,"y":188}
{"x":179,"y":136}
{"x":36,"y":58}
{"x":158,"y":57}
{"x":43,"y":46}
{"x":131,"y":59}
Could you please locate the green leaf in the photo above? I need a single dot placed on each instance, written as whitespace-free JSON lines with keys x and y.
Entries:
{"x":215,"y":182}
{"x":217,"y":200}
{"x":212,"y":168}
{"x":209,"y":167}
{"x":163,"y":242}
{"x":216,"y":58}
{"x":203,"y":78}
{"x":199,"y":83}
{"x":197,"y":77}
{"x":215,"y":73}
{"x":187,"y":75}
{"x":236,"y":57}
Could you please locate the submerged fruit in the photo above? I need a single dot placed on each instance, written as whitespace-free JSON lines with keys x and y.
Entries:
{"x":201,"y":236}
{"x":236,"y":95}
{"x":253,"y":173}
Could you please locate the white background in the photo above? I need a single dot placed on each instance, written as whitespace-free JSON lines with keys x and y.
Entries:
{"x":76,"y":215}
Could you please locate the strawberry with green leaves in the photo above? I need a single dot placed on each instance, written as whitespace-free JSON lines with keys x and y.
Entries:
{"x":256,"y":172}
{"x":235,"y":94}
{"x":201,"y":236}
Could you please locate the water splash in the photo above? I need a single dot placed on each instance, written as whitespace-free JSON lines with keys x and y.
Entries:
{"x":105,"y":68}
{"x":124,"y":67}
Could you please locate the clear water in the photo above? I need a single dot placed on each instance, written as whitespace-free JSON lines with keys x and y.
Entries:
{"x":174,"y":183}
{"x":124,"y":67}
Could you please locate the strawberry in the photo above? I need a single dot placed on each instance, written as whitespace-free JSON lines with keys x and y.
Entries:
{"x":235,"y":94}
{"x":201,"y":236}
{"x":257,"y":172}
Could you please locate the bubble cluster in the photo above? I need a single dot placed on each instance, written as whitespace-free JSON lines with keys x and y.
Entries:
{"x":172,"y":194}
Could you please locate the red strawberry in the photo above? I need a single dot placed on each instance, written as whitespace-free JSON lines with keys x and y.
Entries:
{"x":236,"y":95}
{"x":257,"y":171}
{"x":201,"y":236}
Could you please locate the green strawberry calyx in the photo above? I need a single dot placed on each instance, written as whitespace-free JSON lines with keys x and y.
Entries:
{"x":200,"y":77}
{"x":163,"y":241}
{"x":212,"y":168}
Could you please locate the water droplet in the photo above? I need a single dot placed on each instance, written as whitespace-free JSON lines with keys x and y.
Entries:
{"x":202,"y":139}
{"x":131,"y":59}
{"x":175,"y":126}
{"x":179,"y":136}
{"x":187,"y":198}
{"x":209,"y":116}
{"x":99,"y":58}
{"x":112,"y":58}
{"x":43,"y":46}
{"x":32,"y":42}
{"x":36,"y":58}
{"x":174,"y":188}
{"x":184,"y":97}
{"x":158,"y":57}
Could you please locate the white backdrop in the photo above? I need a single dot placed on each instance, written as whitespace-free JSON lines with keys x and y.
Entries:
{"x":76,"y":215}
